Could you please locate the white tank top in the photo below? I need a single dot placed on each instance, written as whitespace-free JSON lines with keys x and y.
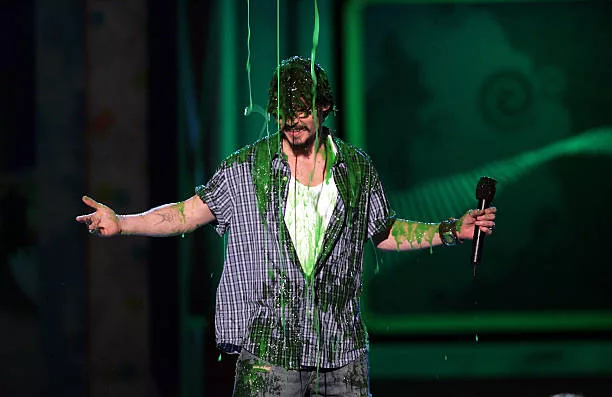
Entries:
{"x":307,"y":214}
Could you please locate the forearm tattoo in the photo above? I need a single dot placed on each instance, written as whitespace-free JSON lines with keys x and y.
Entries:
{"x":174,"y":216}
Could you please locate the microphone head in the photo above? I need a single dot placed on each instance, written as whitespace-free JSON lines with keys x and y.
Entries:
{"x":485,"y":190}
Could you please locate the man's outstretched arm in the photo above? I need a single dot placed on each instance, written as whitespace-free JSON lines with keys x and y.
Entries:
{"x":406,"y":235}
{"x":166,"y":220}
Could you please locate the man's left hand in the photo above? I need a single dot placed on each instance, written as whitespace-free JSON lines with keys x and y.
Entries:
{"x":484,"y":219}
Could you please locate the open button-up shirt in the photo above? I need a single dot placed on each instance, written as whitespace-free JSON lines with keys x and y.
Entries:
{"x":265,"y":303}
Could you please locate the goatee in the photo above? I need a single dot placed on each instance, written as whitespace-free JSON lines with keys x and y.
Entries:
{"x":305,"y":147}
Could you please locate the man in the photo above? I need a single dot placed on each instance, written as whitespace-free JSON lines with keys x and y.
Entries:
{"x":297,"y":208}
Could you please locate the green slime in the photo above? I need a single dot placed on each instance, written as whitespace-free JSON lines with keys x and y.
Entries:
{"x":414,"y":233}
{"x":287,"y":106}
{"x":181,"y":209}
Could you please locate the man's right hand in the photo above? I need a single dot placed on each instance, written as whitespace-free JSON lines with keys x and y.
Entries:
{"x":103,"y":222}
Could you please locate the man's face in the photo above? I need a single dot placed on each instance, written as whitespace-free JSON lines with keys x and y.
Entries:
{"x":300,"y":130}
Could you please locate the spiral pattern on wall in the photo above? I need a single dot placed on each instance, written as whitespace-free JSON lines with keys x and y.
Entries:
{"x":506,"y":99}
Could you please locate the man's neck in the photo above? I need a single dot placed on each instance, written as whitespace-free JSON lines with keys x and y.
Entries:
{"x":308,"y":167}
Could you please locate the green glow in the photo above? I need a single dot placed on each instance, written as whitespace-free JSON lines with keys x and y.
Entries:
{"x":253,"y":108}
{"x":423,"y":199}
{"x":353,"y":74}
{"x":498,"y":321}
{"x":315,"y":44}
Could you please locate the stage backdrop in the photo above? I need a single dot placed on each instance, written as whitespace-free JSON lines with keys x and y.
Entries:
{"x":443,"y":93}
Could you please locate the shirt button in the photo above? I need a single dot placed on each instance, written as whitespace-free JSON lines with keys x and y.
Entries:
{"x":284,"y":179}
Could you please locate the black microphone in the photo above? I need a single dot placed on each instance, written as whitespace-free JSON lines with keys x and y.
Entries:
{"x":485,"y":191}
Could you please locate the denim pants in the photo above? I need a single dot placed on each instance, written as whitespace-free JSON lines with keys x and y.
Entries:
{"x":257,"y":378}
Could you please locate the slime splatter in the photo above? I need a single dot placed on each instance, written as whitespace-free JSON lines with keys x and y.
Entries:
{"x":413,"y":233}
{"x":293,"y":93}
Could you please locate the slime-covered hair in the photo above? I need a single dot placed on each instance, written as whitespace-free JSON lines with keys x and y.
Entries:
{"x":296,"y":93}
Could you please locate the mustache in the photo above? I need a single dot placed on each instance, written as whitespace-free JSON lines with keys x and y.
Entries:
{"x":295,"y":128}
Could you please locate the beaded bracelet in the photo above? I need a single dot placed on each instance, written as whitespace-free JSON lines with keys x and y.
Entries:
{"x":448,"y":232}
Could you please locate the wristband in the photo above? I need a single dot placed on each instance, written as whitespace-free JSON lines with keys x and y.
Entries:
{"x":448,"y":232}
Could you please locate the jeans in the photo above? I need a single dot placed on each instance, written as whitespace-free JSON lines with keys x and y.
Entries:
{"x":257,"y":378}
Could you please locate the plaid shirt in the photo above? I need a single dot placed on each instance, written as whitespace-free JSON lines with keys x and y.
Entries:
{"x":265,"y":304}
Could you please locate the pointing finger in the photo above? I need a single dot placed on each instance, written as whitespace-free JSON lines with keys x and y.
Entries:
{"x":84,"y":219}
{"x":91,"y":202}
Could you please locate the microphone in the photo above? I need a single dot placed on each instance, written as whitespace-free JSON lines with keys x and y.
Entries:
{"x":485,"y":191}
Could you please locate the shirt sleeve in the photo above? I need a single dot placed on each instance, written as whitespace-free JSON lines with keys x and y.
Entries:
{"x":217,"y":196}
{"x":380,"y":216}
